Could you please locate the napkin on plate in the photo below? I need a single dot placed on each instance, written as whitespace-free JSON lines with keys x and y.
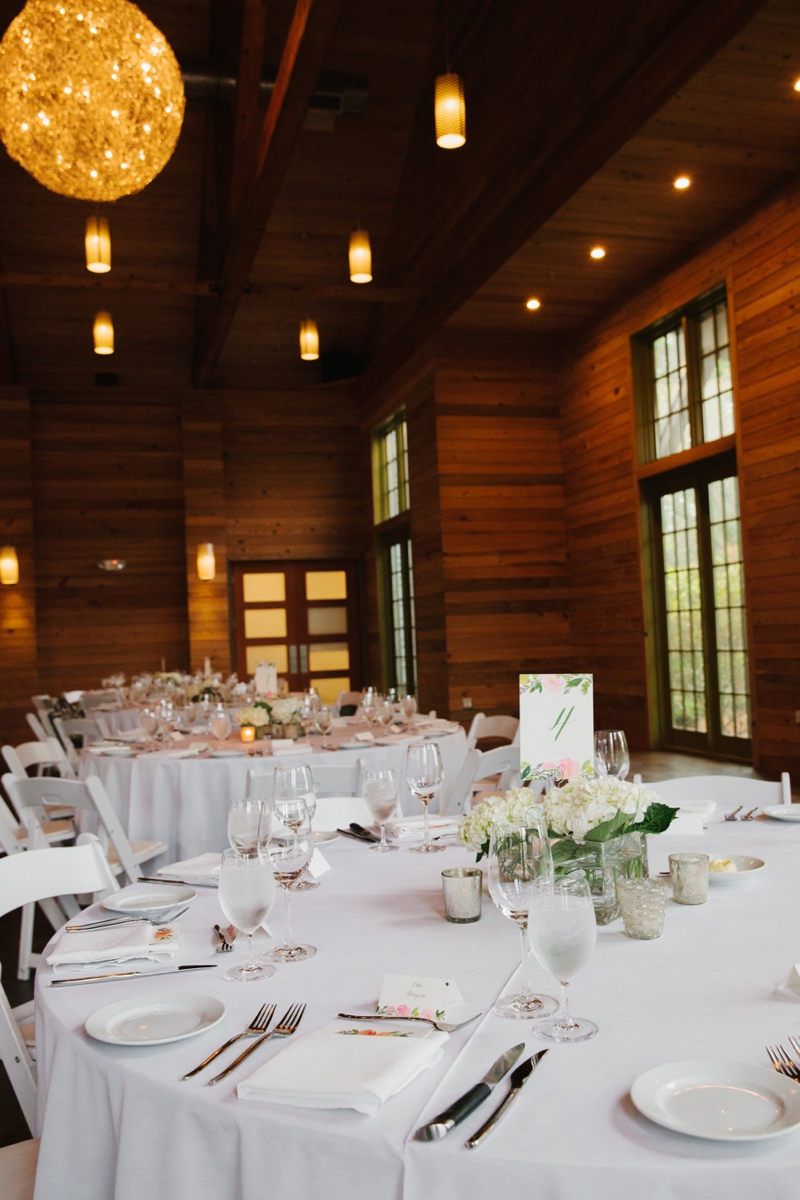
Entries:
{"x":184,"y":752}
{"x":204,"y":867}
{"x":403,"y":827}
{"x":342,"y":1066}
{"x":302,"y":748}
{"x":139,"y":940}
{"x":365,"y":736}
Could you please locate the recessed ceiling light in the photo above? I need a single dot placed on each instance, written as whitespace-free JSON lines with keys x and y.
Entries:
{"x":682,"y":182}
{"x":597,"y":252}
{"x":533,"y":303}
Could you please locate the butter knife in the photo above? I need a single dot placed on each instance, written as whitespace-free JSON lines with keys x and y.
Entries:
{"x":131,"y":974}
{"x":440,"y":1126}
{"x":519,"y":1078}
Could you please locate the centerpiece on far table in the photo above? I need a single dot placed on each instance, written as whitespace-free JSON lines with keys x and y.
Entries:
{"x":277,"y":716}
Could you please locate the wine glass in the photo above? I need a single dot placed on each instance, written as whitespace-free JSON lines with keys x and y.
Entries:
{"x":249,"y":825}
{"x":563,"y":932}
{"x":384,"y":712}
{"x":519,"y":854}
{"x":292,"y":783}
{"x":611,"y":755}
{"x":408,"y":706}
{"x":424,"y":776}
{"x":380,"y":793}
{"x":324,"y":721}
{"x":312,"y":699}
{"x":369,"y":706}
{"x":220,"y":724}
{"x":246,"y":897}
{"x":290,"y":848}
{"x":150,"y":722}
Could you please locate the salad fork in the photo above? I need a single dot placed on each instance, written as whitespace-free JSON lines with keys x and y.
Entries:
{"x":285,"y":1028}
{"x":731,"y":816}
{"x":113,"y":922}
{"x":443,"y":1026}
{"x":782,"y":1063}
{"x":259,"y":1025}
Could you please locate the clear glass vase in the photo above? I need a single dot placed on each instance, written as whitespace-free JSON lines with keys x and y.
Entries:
{"x":604,"y":863}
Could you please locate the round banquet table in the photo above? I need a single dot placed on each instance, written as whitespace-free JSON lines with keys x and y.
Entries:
{"x":116,"y":1122}
{"x":118,"y":720}
{"x":184,"y":802}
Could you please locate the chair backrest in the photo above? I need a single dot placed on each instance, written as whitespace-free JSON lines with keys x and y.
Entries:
{"x":89,"y":795}
{"x":9,"y":842}
{"x":336,"y":812}
{"x":725,"y":789}
{"x":336,"y":780}
{"x":57,"y":871}
{"x":49,"y":753}
{"x":44,"y":706}
{"x":349,"y":698}
{"x":503,"y":761}
{"x":85,"y":727}
{"x":494,"y":727}
{"x":39,"y":731}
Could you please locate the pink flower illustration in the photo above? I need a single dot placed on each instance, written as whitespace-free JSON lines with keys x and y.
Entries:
{"x":548,"y":766}
{"x":429,"y":1013}
{"x":554,"y":683}
{"x":569,"y":768}
{"x":403,"y":1010}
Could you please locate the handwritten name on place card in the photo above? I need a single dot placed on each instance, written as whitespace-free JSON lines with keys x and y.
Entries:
{"x":418,"y":996}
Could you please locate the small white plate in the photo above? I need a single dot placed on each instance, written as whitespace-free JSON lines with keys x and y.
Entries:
{"x":783,"y":812}
{"x":227,"y":753}
{"x":148,"y":899}
{"x":723,"y":1101}
{"x":326,"y":835}
{"x":154,"y":1020}
{"x":746,"y":868}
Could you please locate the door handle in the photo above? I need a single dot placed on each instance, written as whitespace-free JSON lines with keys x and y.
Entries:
{"x":293,"y":660}
{"x":303,"y":660}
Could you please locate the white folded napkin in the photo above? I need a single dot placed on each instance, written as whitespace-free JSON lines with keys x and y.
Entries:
{"x":366,"y":736}
{"x":139,"y":940}
{"x":132,"y":735}
{"x":184,"y":752}
{"x":344,"y":1066}
{"x":413,"y":826}
{"x":108,"y":749}
{"x":204,"y":866}
{"x":303,"y":748}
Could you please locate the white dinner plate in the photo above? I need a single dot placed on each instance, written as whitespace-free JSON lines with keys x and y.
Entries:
{"x":783,"y":812}
{"x":746,"y":869}
{"x":724,"y":1101}
{"x":326,"y":835}
{"x":154,"y":1020}
{"x":149,"y":899}
{"x":227,"y":753}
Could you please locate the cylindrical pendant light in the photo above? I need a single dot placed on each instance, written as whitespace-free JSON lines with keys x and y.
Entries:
{"x":309,"y":340}
{"x":206,"y":562}
{"x":9,"y":565}
{"x":98,"y":245}
{"x":103,"y":333}
{"x":360,"y":257}
{"x":450,"y":112}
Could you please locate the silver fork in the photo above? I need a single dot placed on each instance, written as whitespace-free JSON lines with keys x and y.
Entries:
{"x":782,"y":1063}
{"x":444,"y":1026}
{"x":113,"y":922}
{"x":731,"y":816}
{"x":795,"y":1043}
{"x":285,"y":1028}
{"x":224,"y":945}
{"x":258,"y":1025}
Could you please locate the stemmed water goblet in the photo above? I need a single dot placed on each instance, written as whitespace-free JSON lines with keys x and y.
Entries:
{"x":246,"y":897}
{"x":369,"y":705}
{"x":408,"y":706}
{"x":249,"y":825}
{"x":424,"y":776}
{"x":611,"y":755}
{"x":150,"y":722}
{"x":563,"y":931}
{"x":324,"y":722}
{"x":519,"y":854}
{"x":220,"y":724}
{"x":384,"y":712}
{"x":290,"y":848}
{"x":291,"y":783}
{"x":380,"y":793}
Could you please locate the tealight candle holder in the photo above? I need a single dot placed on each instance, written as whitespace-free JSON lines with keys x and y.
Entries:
{"x":463,"y":894}
{"x":248,"y":733}
{"x":689,"y":876}
{"x":642,"y":903}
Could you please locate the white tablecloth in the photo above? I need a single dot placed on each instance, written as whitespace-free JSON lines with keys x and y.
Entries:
{"x":115,"y":1121}
{"x":184,"y":802}
{"x":118,"y":720}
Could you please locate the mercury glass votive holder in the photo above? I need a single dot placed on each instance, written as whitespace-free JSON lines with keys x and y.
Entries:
{"x":689,"y":877}
{"x":463,"y":893}
{"x":642,"y":903}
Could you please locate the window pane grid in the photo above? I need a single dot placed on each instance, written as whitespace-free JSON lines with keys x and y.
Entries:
{"x":671,"y":394}
{"x":390,"y":469}
{"x":715,"y":373}
{"x":398,"y":615}
{"x":684,"y":611}
{"x":731,"y":628}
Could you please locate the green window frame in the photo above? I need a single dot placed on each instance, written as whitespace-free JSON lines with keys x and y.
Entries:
{"x":397,"y":610}
{"x":683,"y":379}
{"x":390,"y":489}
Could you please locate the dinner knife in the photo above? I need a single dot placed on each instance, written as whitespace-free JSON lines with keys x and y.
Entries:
{"x":440,"y":1126}
{"x":519,"y":1078}
{"x":362,"y":832}
{"x":358,"y":836}
{"x":131,"y":974}
{"x":184,"y":882}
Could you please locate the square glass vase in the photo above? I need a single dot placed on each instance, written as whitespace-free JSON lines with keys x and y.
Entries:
{"x":604,"y":863}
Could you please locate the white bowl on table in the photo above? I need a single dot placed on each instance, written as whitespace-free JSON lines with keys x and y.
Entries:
{"x":747,"y":868}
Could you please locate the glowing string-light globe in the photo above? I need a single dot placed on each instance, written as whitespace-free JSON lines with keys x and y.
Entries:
{"x":91,"y":98}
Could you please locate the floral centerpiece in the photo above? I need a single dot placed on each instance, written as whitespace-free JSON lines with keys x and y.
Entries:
{"x":475,"y":829}
{"x":281,"y":714}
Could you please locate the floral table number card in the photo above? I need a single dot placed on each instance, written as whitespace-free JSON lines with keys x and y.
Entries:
{"x":556,"y":714}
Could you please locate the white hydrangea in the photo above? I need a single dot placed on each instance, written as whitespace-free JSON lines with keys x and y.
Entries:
{"x":284,"y":709}
{"x":475,"y":828}
{"x":583,"y":804}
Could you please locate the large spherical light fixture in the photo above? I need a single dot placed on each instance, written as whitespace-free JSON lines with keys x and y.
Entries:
{"x":91,"y":98}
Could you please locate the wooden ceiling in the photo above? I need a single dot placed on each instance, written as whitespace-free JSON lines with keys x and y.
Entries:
{"x":550,"y":168}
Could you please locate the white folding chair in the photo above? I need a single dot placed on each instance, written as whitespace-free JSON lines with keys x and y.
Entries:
{"x":335,"y":780}
{"x":26,"y":879}
{"x":68,"y":727}
{"x":349,"y":700}
{"x":39,"y":731}
{"x":494,"y":727}
{"x":91,"y":796}
{"x":47,"y":753}
{"x":725,"y":789}
{"x":478,"y":771}
{"x":44,"y":706}
{"x":337,"y":812}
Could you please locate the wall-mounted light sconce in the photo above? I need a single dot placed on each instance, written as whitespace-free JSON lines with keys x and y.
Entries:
{"x":98,"y":245}
{"x":360,"y":256}
{"x":103,"y":333}
{"x":111,"y":564}
{"x":9,"y":565}
{"x":206,"y":563}
{"x":309,"y":341}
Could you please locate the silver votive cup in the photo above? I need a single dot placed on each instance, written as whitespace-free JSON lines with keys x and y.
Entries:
{"x":463,"y":893}
{"x":642,"y":903}
{"x":689,"y":877}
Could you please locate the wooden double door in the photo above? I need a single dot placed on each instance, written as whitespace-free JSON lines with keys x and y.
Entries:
{"x":303,"y":616}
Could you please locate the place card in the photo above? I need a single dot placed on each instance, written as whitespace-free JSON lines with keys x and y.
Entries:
{"x":792,"y":981}
{"x":556,"y":718}
{"x":417,"y":996}
{"x":318,"y":864}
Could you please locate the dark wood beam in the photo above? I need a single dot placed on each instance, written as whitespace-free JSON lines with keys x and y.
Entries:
{"x":552,"y":92}
{"x":310,"y":33}
{"x":248,"y":84}
{"x":187,"y":287}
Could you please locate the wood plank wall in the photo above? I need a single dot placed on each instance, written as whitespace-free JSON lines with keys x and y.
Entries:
{"x":760,"y":263}
{"x":20,"y":678}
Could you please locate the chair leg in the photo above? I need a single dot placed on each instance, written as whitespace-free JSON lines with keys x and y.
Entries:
{"x":25,"y":941}
{"x":17,"y":1062}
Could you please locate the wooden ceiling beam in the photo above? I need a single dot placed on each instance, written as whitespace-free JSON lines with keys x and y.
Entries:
{"x":310,"y":33}
{"x":552,"y":92}
{"x":248,"y":85}
{"x":187,"y":287}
